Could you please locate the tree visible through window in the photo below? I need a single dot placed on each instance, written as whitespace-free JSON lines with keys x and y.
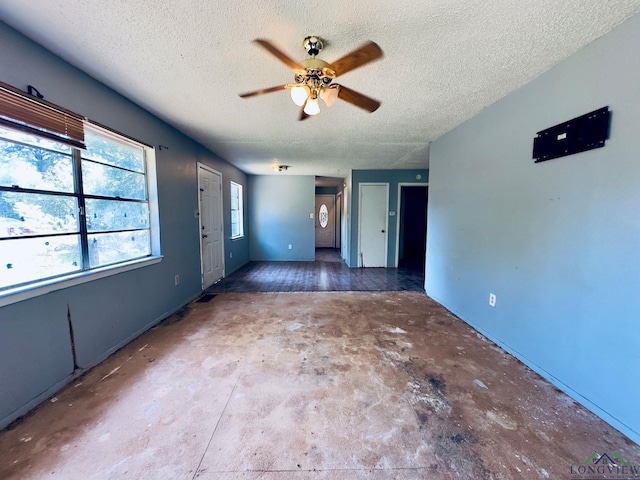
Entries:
{"x":237,"y":224}
{"x":66,"y":210}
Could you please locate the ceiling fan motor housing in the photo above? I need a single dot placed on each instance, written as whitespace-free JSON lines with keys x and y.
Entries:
{"x":313,"y":44}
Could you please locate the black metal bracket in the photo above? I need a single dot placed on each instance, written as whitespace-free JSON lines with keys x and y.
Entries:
{"x":580,"y":134}
{"x":31,"y":90}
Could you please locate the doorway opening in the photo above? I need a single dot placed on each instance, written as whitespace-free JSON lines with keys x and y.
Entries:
{"x":329,"y":218}
{"x":412,"y":231}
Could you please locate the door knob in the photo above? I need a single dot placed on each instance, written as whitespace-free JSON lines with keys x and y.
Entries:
{"x":382,"y":231}
{"x":205,"y":236}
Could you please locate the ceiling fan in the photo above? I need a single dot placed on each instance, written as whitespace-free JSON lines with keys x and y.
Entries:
{"x":313,"y":77}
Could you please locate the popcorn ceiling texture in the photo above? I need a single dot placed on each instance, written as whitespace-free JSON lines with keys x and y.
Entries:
{"x":187,"y":61}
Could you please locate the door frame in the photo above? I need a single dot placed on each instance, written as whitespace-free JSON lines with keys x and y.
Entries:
{"x":386,"y":228}
{"x":199,"y":215}
{"x":338,"y":208}
{"x":399,"y":213}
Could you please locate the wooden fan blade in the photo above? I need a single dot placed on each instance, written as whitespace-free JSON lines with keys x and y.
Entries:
{"x":358,"y":99}
{"x":303,"y":115}
{"x":263,"y":91}
{"x":367,"y":53}
{"x":279,"y":54}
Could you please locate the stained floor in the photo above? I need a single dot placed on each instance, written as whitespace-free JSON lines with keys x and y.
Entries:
{"x":326,"y":385}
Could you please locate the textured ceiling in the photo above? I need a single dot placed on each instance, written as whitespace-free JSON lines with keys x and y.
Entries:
{"x":186,"y":61}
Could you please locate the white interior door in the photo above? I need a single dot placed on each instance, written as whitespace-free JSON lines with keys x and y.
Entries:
{"x":372,"y":224}
{"x":211,"y":231}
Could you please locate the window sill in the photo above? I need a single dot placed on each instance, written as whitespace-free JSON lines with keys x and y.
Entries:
{"x":239,"y":237}
{"x":18,"y":294}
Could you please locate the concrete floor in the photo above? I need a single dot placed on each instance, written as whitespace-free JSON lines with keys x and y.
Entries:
{"x":309,"y":385}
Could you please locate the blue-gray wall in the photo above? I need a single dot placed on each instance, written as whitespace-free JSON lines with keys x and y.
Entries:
{"x":345,"y":251}
{"x":280,"y":209}
{"x":35,"y":350}
{"x":393,"y":178}
{"x":558,"y":242}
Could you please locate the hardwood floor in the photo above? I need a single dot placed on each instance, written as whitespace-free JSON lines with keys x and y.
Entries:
{"x":328,"y":273}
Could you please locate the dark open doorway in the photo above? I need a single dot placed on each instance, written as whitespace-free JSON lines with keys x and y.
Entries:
{"x":412,"y":245}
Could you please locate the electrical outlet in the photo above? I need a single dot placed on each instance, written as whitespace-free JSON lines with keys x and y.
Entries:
{"x":177,"y":280}
{"x":230,"y":254}
{"x":290,"y":246}
{"x":492,"y":300}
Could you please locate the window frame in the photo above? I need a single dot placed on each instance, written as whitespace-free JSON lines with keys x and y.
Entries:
{"x":41,"y":286}
{"x":240,"y":209}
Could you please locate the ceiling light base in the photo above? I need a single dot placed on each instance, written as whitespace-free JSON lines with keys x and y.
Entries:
{"x":313,"y":44}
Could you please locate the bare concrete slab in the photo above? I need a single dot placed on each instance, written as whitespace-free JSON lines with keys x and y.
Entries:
{"x":309,"y":385}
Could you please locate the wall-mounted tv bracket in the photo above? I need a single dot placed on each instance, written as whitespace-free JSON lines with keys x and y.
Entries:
{"x":583,"y":133}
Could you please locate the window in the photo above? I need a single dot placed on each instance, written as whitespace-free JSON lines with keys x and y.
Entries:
{"x":64,"y":210}
{"x":237,"y":215}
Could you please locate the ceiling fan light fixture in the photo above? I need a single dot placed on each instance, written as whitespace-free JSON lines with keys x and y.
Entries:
{"x":280,"y":168}
{"x":313,"y":77}
{"x":329,"y":96}
{"x":312,"y":107}
{"x":299,"y":94}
